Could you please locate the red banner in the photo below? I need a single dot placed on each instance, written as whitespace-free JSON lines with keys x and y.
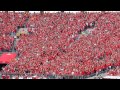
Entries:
{"x":7,"y":57}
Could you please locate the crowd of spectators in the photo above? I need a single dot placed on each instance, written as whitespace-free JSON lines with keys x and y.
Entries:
{"x":8,"y":26}
{"x":114,"y":72}
{"x":76,"y":44}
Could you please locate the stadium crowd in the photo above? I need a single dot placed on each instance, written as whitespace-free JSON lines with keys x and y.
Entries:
{"x":8,"y":26}
{"x":114,"y":72}
{"x":62,"y":44}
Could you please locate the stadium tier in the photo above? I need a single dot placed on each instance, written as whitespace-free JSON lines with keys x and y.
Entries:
{"x":60,"y":44}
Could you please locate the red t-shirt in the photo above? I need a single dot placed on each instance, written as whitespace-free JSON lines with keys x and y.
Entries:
{"x":83,"y":73}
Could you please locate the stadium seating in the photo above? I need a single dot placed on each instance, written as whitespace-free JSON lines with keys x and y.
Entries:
{"x":55,"y":47}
